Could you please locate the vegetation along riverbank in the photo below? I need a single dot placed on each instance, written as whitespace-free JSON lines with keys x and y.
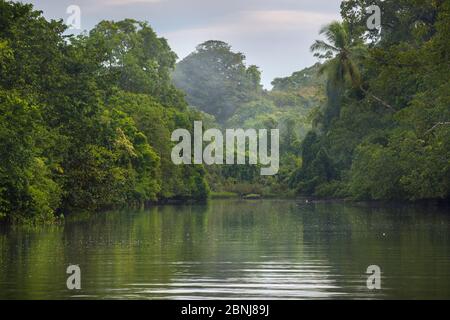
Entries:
{"x":86,"y":120}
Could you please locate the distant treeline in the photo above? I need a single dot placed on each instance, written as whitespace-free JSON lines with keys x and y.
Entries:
{"x":371,"y":122}
{"x":217,"y":81}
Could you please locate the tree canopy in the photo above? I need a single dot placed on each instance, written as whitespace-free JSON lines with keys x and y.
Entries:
{"x":86,"y":120}
{"x":216,"y":79}
{"x":384,"y":134}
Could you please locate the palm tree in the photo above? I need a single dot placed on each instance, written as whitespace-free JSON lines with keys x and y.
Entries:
{"x":343,"y":53}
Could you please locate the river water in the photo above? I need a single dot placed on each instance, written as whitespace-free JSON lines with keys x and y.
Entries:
{"x":232,"y":249}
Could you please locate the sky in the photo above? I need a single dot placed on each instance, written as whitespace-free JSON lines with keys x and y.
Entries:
{"x":275,"y":35}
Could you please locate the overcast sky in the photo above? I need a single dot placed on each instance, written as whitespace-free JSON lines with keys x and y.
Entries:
{"x":273,"y":34}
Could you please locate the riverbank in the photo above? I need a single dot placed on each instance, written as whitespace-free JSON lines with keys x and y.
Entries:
{"x":304,"y":200}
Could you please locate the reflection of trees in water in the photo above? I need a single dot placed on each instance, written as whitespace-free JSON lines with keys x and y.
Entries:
{"x":246,"y":242}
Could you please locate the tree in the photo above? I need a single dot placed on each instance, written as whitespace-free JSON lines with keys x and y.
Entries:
{"x":403,"y":154}
{"x":26,"y":185}
{"x":401,"y":20}
{"x":344,"y":52}
{"x":85,"y":120}
{"x":216,"y":79}
{"x":135,"y":59}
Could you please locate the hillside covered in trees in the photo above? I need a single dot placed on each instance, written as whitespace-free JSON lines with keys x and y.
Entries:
{"x":86,"y":121}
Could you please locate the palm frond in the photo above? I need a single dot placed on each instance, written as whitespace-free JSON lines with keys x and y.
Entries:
{"x":322,"y":46}
{"x":336,"y":34}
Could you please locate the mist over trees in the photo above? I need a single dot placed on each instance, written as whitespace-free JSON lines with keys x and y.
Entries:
{"x":85,"y":121}
{"x":377,"y":105}
{"x":216,"y":79}
{"x":229,"y":93}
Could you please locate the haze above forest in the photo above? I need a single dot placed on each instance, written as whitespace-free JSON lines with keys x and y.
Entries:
{"x":86,"y":121}
{"x":274,"y":34}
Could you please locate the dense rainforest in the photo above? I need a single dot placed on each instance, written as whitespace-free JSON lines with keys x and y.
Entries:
{"x":384,"y":132}
{"x":229,"y":94}
{"x":370,"y":122}
{"x":86,"y":121}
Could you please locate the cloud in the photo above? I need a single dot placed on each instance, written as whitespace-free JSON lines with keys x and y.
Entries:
{"x":287,"y":19}
{"x":102,"y":6}
{"x":276,"y":40}
{"x":269,"y":26}
{"x":274,"y":34}
{"x":125,"y":2}
{"x":258,"y":21}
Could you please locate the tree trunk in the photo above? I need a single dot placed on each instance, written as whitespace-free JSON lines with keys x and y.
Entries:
{"x":438,"y":125}
{"x":377,"y":99}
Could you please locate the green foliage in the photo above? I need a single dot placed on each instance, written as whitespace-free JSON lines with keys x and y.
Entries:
{"x":396,"y":146}
{"x":400,"y":20}
{"x":299,"y":80}
{"x":375,"y":173}
{"x":135,"y":60}
{"x":86,"y":121}
{"x":26,"y":185}
{"x":216,"y":80}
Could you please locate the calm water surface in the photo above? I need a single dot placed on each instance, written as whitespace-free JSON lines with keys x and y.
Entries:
{"x":270,"y":249}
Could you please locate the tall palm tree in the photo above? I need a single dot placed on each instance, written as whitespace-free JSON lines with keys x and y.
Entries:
{"x":343,"y":53}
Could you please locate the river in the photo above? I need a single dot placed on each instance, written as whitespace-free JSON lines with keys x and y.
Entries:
{"x":232,"y":249}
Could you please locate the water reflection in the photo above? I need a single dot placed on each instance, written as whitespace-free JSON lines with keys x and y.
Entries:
{"x":234,"y":250}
